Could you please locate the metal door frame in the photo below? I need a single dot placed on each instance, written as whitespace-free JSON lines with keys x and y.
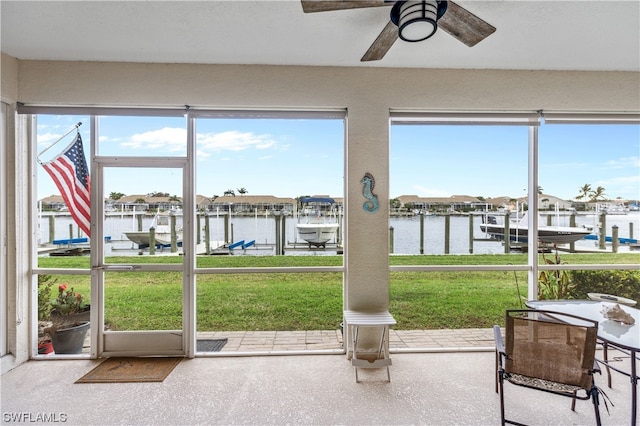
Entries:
{"x":151,"y":342}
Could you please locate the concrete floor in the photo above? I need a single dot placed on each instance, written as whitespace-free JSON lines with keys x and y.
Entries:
{"x":425,"y":388}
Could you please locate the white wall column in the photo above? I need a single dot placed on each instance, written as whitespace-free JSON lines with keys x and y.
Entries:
{"x":367,"y":254}
{"x":3,"y":229}
{"x":18,"y":197}
{"x":367,"y":237}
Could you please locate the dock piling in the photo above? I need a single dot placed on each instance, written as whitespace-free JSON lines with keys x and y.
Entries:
{"x":198,"y":236}
{"x":421,"y":233}
{"x":174,"y":237}
{"x":152,"y":241}
{"x":52,"y":228}
{"x":602,"y":234}
{"x":507,"y":233}
{"x":470,"y":234}
{"x":447,"y":232}
{"x":572,"y":223}
{"x":207,"y":234}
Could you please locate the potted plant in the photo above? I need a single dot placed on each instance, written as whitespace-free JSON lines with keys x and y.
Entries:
{"x":69,"y":306}
{"x":69,"y":321}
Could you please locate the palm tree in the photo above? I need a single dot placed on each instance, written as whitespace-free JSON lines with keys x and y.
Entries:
{"x":598,"y":194}
{"x":242,"y":191}
{"x":230,"y":192}
{"x":158,"y":194}
{"x":116,"y":195}
{"x":545,"y":201}
{"x":585,"y":193}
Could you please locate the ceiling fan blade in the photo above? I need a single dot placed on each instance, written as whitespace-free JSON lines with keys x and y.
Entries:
{"x":464,"y":25}
{"x":382,"y":44}
{"x":311,"y":6}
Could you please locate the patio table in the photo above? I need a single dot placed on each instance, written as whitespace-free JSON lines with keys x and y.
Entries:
{"x":612,"y":333}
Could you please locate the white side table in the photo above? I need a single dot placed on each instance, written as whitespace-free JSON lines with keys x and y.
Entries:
{"x":381,"y":320}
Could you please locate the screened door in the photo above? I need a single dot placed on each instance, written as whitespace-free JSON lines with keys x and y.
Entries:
{"x":138,"y":268}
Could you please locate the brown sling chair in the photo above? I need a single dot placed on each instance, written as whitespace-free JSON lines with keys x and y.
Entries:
{"x":547,"y":351}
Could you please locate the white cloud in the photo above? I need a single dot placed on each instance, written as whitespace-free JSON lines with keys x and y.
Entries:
{"x":623,"y":162}
{"x":106,"y":139}
{"x":174,"y":139}
{"x":167,"y":138}
{"x":234,"y":141}
{"x":201,"y":155}
{"x":47,"y":138}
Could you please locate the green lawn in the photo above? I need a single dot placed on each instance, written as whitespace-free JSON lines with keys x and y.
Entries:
{"x":310,"y":301}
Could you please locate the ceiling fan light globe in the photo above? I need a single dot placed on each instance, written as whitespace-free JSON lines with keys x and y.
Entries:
{"x":417,"y":30}
{"x":417,"y":20}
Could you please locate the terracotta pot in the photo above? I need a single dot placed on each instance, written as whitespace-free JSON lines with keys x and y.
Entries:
{"x":45,"y":347}
{"x":70,"y":339}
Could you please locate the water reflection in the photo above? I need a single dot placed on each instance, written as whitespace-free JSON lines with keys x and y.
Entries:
{"x":406,"y":232}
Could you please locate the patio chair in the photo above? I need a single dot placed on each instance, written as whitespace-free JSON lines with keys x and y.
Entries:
{"x":550,"y":352}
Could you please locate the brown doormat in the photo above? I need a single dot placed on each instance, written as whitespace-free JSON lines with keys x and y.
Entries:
{"x":131,"y":370}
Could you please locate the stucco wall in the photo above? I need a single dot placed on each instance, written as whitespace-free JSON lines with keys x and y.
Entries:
{"x":90,"y":83}
{"x":9,"y":84}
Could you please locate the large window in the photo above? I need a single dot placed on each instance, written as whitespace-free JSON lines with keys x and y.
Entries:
{"x":248,"y":178}
{"x":462,"y":223}
{"x":56,"y":229}
{"x":447,"y":181}
{"x":461,"y":183}
{"x":590,"y":177}
{"x":253,"y":175}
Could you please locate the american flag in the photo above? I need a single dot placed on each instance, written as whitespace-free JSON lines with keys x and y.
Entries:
{"x":70,"y":173}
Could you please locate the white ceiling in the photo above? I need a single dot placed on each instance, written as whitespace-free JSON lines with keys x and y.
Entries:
{"x":532,"y":35}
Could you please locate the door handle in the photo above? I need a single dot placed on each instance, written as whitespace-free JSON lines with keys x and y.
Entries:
{"x":116,"y":267}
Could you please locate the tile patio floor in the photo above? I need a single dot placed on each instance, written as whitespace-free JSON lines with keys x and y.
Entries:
{"x":399,"y":340}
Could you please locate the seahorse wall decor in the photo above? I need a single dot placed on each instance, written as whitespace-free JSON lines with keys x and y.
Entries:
{"x":371,"y":205}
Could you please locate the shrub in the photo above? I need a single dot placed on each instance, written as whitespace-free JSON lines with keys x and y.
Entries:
{"x":45,"y":282}
{"x":623,"y":283}
{"x":555,"y":284}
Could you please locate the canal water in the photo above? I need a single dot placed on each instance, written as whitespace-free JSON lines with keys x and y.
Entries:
{"x":406,"y":232}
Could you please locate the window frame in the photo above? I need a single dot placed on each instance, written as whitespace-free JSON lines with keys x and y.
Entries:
{"x":532,"y":119}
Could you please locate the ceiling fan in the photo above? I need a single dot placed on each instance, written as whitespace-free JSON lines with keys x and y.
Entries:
{"x":412,"y":21}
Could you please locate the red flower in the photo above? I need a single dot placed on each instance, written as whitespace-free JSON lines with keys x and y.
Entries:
{"x":62,"y":287}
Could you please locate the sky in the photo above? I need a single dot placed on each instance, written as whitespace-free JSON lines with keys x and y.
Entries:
{"x":290,"y":158}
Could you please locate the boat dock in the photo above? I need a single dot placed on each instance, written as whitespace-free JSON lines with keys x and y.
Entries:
{"x":304,"y":246}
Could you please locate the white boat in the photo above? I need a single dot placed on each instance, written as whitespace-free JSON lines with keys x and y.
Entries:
{"x":318,"y":224}
{"x":162,"y":225}
{"x":519,"y":231}
{"x":609,"y":208}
